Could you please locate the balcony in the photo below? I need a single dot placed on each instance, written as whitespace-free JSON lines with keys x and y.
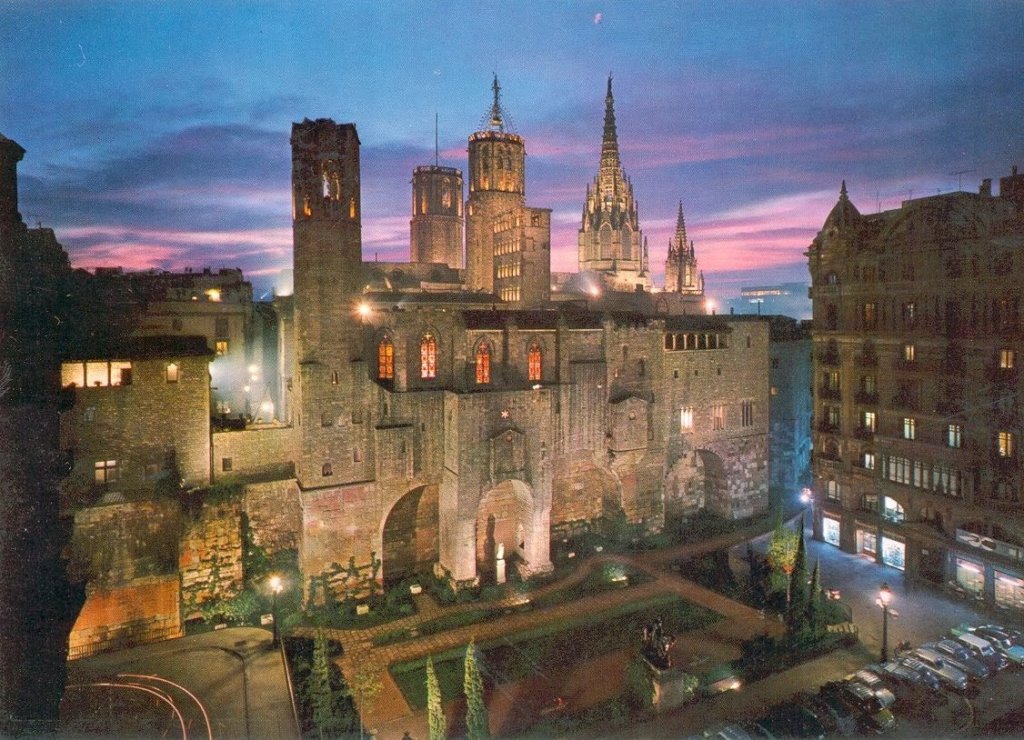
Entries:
{"x":909,"y":366}
{"x":829,"y":394}
{"x":864,"y":397}
{"x":826,"y":427}
{"x":831,"y":359}
{"x":863,"y":432}
{"x":866,"y":359}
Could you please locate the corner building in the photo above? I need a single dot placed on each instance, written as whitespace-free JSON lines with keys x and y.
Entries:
{"x":917,"y":343}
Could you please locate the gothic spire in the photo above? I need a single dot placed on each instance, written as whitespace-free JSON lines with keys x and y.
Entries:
{"x":681,"y":227}
{"x":496,"y":116}
{"x":610,"y":143}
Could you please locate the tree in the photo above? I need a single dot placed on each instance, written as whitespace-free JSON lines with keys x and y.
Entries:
{"x":477,"y":725}
{"x":815,"y":605}
{"x":782,"y":558}
{"x":364,"y":688}
{"x":436,"y":724}
{"x":797,"y":613}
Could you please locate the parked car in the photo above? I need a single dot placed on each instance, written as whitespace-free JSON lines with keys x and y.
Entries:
{"x":960,"y":657}
{"x":910,"y":688}
{"x":981,"y":649}
{"x":789,"y":720}
{"x":874,"y":682}
{"x":1003,"y":644}
{"x":873,"y":717}
{"x":949,"y":674}
{"x":926,"y":674}
{"x":727,"y":731}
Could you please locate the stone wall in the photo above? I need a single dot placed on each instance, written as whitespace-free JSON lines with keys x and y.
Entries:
{"x":274,"y":514}
{"x":143,"y":611}
{"x":260,"y":453}
{"x":210,"y":559}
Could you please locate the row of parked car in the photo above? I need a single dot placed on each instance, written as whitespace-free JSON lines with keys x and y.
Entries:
{"x":864,"y":701}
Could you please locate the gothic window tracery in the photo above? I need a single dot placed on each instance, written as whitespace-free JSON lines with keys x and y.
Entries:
{"x":483,"y":363}
{"x":534,"y":360}
{"x":386,"y":359}
{"x":428,"y":356}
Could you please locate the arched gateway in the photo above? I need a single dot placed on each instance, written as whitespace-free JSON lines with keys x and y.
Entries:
{"x":410,"y":535}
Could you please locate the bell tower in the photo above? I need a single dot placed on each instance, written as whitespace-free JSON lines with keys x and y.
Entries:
{"x":497,"y":184}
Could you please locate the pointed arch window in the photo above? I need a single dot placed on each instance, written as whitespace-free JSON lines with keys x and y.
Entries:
{"x":533,"y":361}
{"x":386,"y":359}
{"x":428,"y":356}
{"x":483,"y":364}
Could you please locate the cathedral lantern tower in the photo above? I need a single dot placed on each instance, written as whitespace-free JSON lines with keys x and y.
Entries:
{"x":497,"y":184}
{"x":610,"y":241}
{"x":681,"y":275}
{"x":435,"y":230}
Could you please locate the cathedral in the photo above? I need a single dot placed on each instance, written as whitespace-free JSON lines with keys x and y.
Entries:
{"x":448,"y":417}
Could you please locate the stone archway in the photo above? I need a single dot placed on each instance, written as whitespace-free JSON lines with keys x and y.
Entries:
{"x":410,"y":535}
{"x":698,"y":480}
{"x":504,"y":525}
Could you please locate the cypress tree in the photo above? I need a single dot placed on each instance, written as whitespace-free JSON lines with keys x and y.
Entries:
{"x":436,"y":724}
{"x":477,"y":725}
{"x":320,"y":694}
{"x":815,"y":607}
{"x":798,"y":585}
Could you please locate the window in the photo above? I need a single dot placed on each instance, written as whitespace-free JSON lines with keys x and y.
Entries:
{"x":1005,"y":444}
{"x":428,"y":356}
{"x":909,"y":427}
{"x":326,"y":419}
{"x":832,"y":416}
{"x":869,"y":502}
{"x":334,"y":377}
{"x":327,"y":470}
{"x":869,"y":315}
{"x":357,"y":455}
{"x":106,"y":472}
{"x":832,"y":490}
{"x":533,"y":362}
{"x":483,"y":364}
{"x":892,"y":510}
{"x":909,"y":352}
{"x":954,"y":436}
{"x":1007,"y":359}
{"x":95,"y":374}
{"x":869,"y":421}
{"x":172,"y":373}
{"x":89,"y":414}
{"x":747,"y":414}
{"x":386,"y":359}
{"x":909,"y":313}
{"x":718,"y":417}
{"x":221,"y":347}
{"x":686,"y":419}
{"x":226,"y":464}
{"x":868,"y":460}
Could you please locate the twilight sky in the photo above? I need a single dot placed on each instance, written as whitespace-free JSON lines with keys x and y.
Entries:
{"x":157,"y":133}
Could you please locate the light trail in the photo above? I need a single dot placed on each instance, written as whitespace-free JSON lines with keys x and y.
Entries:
{"x":149,"y":690}
{"x":206,"y":717}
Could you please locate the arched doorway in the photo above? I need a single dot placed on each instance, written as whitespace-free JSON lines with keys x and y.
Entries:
{"x":504,"y":526}
{"x":410,"y":535}
{"x":696,"y":481}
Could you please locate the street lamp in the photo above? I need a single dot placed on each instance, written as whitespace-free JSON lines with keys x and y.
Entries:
{"x":275,"y":589}
{"x":884,"y":597}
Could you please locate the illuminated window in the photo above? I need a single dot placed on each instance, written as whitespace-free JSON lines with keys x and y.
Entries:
{"x":686,"y":419}
{"x":909,"y":352}
{"x":483,"y":364}
{"x":533,"y":362}
{"x":868,"y":460}
{"x":954,"y":436}
{"x":106,"y":472}
{"x":1007,"y":359}
{"x":386,"y":359}
{"x":832,"y":490}
{"x":869,"y":420}
{"x":1005,"y":444}
{"x":221,"y":347}
{"x":172,"y":373}
{"x":909,"y":427}
{"x":428,"y":356}
{"x":869,"y":315}
{"x":718,"y":417}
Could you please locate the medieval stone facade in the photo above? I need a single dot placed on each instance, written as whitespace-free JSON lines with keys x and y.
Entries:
{"x":917,"y":345}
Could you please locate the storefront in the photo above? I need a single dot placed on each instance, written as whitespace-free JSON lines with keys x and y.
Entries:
{"x":867,"y":539}
{"x":970,"y":576}
{"x":1009,"y":591}
{"x":894,"y":552}
{"x":830,"y":530}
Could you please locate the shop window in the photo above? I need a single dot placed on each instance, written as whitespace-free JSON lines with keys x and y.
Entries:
{"x":970,"y":576}
{"x":830,"y":530}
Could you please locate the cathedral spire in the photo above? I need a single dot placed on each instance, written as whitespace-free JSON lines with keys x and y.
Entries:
{"x":610,"y":144}
{"x":496,"y":116}
{"x":680,"y":227}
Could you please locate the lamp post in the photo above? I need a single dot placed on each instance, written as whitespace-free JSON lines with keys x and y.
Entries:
{"x":884,"y":597}
{"x":275,"y":589}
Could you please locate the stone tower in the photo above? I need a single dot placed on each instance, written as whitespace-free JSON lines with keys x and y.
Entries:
{"x":496,"y":185}
{"x":610,"y":241}
{"x":328,"y":257}
{"x":435,"y":230}
{"x":681,"y":275}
